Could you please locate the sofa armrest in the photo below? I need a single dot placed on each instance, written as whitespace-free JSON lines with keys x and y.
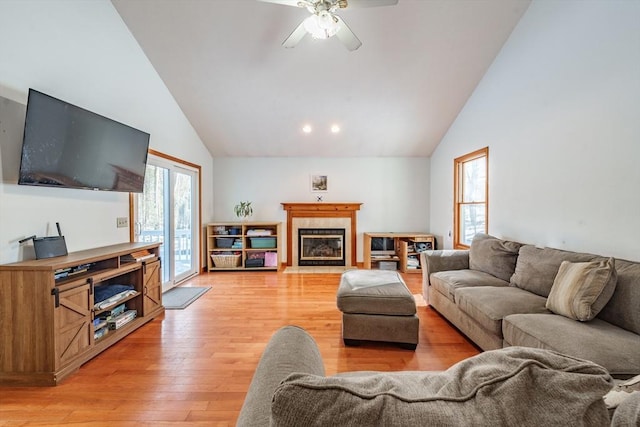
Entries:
{"x":442,"y":260}
{"x":291,"y":349}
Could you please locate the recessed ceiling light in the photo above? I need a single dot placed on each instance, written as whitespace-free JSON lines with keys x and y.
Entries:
{"x":335,"y":128}
{"x":306,"y":129}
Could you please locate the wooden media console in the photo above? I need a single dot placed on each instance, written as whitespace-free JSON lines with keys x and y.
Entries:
{"x":47,"y":309}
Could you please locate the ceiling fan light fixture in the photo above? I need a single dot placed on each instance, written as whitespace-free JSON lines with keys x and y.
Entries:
{"x":322,"y":25}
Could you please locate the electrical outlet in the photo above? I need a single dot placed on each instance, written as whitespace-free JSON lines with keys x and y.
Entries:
{"x":122,"y":221}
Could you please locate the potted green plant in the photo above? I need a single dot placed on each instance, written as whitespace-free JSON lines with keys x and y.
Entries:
{"x":243,"y":210}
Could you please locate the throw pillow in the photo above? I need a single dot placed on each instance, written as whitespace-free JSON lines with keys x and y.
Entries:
{"x":493,"y":256}
{"x":536,"y":268}
{"x":487,"y":389}
{"x":581,"y":289}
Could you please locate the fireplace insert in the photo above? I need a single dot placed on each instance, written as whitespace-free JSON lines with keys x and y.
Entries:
{"x":321,"y":247}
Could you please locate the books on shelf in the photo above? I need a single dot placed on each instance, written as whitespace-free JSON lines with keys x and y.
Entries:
{"x":61,"y":273}
{"x":121,"y":319}
{"x":101,"y":325}
{"x":100,"y":328}
{"x":98,"y":323}
{"x":114,"y":312}
{"x":99,"y":333}
{"x":112,"y":320}
{"x":138,"y":256}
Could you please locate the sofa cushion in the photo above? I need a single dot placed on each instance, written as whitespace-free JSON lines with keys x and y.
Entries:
{"x":489,"y":305}
{"x":487,"y":389}
{"x":581,"y":289}
{"x":536,"y":268}
{"x":446,"y":282}
{"x":622,"y":309}
{"x":494,"y":256}
{"x":603,"y":343}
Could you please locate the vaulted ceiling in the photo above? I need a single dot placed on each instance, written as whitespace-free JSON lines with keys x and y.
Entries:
{"x":246,"y":95}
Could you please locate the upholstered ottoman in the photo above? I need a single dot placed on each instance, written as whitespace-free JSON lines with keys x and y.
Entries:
{"x":376,"y":305}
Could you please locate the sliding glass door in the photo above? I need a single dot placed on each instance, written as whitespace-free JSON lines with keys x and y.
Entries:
{"x":167,"y":212}
{"x":184,"y":224}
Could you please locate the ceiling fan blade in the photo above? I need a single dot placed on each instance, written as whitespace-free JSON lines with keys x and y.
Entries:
{"x":346,"y":36}
{"x":367,"y":3}
{"x":295,"y":37}
{"x":283,"y":2}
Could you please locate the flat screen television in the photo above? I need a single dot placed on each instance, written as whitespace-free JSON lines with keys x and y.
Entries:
{"x":68,"y":146}
{"x":383,"y":246}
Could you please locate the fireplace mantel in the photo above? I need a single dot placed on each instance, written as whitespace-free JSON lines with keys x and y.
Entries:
{"x":321,"y":210}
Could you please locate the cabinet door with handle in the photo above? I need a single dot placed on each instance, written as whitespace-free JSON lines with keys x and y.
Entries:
{"x":73,"y":321}
{"x":152,"y":289}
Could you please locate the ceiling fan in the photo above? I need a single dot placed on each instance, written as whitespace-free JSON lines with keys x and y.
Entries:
{"x":324,"y":23}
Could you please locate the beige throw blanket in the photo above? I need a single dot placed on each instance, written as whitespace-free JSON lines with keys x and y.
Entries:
{"x":514,"y":386}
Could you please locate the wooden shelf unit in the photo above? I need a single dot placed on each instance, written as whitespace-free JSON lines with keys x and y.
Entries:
{"x":404,"y":250}
{"x":47,"y":328}
{"x":222,"y":231}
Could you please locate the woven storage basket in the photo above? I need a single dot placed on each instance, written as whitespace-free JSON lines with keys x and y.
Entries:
{"x":226,"y":260}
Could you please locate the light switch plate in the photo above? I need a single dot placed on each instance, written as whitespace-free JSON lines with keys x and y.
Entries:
{"x":122,"y":221}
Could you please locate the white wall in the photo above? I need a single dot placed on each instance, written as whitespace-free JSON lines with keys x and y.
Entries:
{"x":81,"y":52}
{"x":560,"y":111}
{"x":392,"y":191}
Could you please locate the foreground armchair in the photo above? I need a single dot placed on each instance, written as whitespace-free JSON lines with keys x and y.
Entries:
{"x":512,"y":386}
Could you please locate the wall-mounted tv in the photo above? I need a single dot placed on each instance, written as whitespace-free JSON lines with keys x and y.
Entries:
{"x":68,"y":146}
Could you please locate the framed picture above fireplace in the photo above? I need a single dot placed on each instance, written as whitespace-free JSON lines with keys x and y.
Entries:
{"x":319,"y":183}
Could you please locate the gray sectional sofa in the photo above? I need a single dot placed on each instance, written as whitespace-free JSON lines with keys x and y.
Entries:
{"x":498,"y":294}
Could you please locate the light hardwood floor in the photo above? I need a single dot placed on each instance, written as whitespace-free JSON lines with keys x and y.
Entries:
{"x":194,"y":366}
